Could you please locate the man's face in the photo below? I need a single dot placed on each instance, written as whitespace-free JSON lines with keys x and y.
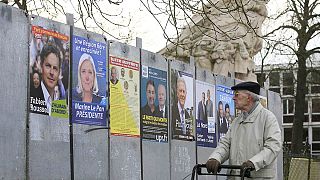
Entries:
{"x":150,"y":94}
{"x":220,"y":110}
{"x":181,"y":92}
{"x":122,"y":72}
{"x":87,"y":76}
{"x":208,"y":95}
{"x":203,"y":97}
{"x":240,"y":99}
{"x":227,"y":112}
{"x":113,"y":73}
{"x":161,"y":95}
{"x":50,"y":71}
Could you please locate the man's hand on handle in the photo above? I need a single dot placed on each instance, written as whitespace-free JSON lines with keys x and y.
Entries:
{"x":213,"y":166}
{"x":248,"y":165}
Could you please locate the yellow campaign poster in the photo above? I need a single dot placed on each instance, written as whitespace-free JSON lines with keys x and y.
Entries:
{"x":124,"y":97}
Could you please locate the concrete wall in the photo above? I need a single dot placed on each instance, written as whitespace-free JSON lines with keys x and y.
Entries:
{"x":34,"y":146}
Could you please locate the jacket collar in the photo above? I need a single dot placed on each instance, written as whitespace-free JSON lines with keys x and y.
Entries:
{"x":251,"y":116}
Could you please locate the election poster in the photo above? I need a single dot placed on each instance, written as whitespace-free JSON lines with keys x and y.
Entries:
{"x":49,"y":72}
{"x":205,"y":114}
{"x":154,"y":104}
{"x":225,"y":109}
{"x":182,"y":118}
{"x":88,"y":82}
{"x":124,"y":97}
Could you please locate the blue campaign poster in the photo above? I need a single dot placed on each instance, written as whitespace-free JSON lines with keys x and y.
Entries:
{"x":205,"y":114}
{"x":88,"y":82}
{"x":154,"y":104}
{"x":225,"y":109}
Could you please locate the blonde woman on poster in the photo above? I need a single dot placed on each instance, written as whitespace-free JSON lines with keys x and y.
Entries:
{"x":87,"y":88}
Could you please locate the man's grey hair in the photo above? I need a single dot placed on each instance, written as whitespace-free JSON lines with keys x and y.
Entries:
{"x":254,"y":96}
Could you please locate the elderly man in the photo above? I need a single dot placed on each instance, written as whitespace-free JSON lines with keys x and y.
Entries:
{"x":163,"y":112}
{"x":114,"y":75}
{"x":254,"y":138}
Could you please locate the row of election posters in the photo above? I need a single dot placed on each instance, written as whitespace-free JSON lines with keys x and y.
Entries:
{"x":49,"y":76}
{"x":138,"y":95}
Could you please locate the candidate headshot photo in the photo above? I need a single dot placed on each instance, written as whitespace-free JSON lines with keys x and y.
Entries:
{"x":130,"y":74}
{"x":150,"y":108}
{"x":50,"y":67}
{"x":180,"y":115}
{"x":123,"y":72}
{"x":87,"y":87}
{"x":114,"y":75}
{"x":162,"y":96}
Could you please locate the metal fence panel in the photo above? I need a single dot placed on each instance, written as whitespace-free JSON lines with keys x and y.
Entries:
{"x":13,"y":94}
{"x":275,"y":106}
{"x":125,"y":152}
{"x":155,"y":155}
{"x":229,"y":82}
{"x":49,"y":143}
{"x":203,"y":153}
{"x":182,"y":152}
{"x":90,"y":147}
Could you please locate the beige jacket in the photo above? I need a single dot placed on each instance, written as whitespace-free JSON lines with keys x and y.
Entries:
{"x":256,"y":138}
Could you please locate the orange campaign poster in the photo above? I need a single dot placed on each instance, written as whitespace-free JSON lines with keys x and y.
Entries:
{"x":49,"y":72}
{"x":124,"y":97}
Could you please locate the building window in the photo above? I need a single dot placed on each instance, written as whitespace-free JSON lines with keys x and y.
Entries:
{"x":287,"y":91}
{"x":315,"y":118}
{"x":316,"y":134}
{"x":316,"y":147}
{"x":315,"y":105}
{"x":288,"y":79}
{"x":288,"y":106}
{"x":287,"y":119}
{"x":288,"y":134}
{"x":306,"y":118}
{"x":315,"y":89}
{"x":274,"y":78}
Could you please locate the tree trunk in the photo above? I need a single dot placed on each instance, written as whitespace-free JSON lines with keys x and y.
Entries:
{"x":297,"y":129}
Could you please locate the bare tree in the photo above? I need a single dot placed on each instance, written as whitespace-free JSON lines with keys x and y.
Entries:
{"x":97,"y":16}
{"x":295,"y":38}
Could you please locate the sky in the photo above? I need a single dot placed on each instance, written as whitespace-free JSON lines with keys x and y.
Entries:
{"x":145,"y":26}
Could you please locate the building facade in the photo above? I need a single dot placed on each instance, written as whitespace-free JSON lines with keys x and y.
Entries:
{"x":282,"y":79}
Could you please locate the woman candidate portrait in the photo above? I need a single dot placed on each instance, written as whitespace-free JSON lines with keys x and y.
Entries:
{"x":87,"y":88}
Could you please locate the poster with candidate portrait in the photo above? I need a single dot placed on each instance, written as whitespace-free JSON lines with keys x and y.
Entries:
{"x":124,"y":97}
{"x":205,"y":114}
{"x":154,"y":106}
{"x":88,"y":82}
{"x":225,"y":109}
{"x":182,"y":118}
{"x":49,"y":72}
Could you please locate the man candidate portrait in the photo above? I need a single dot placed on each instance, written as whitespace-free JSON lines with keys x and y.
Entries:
{"x":163,"y":112}
{"x":202,"y":110}
{"x":50,"y":64}
{"x":180,"y":117}
{"x":150,"y":108}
